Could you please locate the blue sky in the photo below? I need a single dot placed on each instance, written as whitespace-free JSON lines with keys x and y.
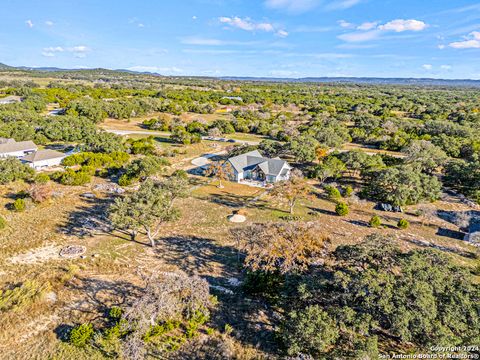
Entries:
{"x":275,"y":38}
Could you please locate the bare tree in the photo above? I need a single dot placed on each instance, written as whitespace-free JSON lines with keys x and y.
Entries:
{"x":166,"y":296}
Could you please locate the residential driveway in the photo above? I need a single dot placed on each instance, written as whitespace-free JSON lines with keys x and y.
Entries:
{"x":205,"y":159}
{"x":138,"y":132}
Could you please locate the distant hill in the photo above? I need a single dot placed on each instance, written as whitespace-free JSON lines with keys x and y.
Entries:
{"x":6,"y":67}
{"x":366,"y":80}
{"x":330,"y":80}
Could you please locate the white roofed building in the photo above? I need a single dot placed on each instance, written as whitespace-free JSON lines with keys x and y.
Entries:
{"x":44,"y":159}
{"x":253,"y":166}
{"x":18,"y":149}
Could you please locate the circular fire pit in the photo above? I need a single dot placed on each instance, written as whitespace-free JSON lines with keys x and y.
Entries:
{"x":72,"y":251}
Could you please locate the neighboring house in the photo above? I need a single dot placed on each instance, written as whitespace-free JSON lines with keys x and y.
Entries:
{"x":56,"y":112}
{"x":234,"y":98}
{"x":253,"y":166}
{"x":10,"y":100}
{"x":44,"y":159}
{"x":10,"y":147}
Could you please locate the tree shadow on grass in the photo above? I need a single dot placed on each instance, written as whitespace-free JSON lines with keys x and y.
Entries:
{"x":89,"y":219}
{"x":358,"y":223}
{"x":322,"y":211}
{"x":229,"y":200}
{"x":97,"y":297}
{"x":195,"y":255}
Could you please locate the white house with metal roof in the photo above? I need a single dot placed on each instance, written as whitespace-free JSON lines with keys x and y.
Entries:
{"x":18,"y":149}
{"x":253,"y":166}
{"x":44,"y":159}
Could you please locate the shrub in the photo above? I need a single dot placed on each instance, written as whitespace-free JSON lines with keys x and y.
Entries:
{"x":73,"y":178}
{"x":3,"y":223}
{"x":266,"y":284}
{"x":40,"y":193}
{"x":81,"y":334}
{"x":332,"y":192}
{"x":403,"y":224}
{"x":182,"y":174}
{"x":87,"y":169}
{"x":41,"y":179}
{"x":310,"y":330}
{"x":342,"y":209}
{"x":125,"y":180}
{"x":22,"y":295}
{"x":375,"y":221}
{"x":19,"y":205}
{"x":348,"y":191}
{"x":115,"y":313}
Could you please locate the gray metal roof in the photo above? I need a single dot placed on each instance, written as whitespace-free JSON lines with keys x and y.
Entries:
{"x":241,"y":161}
{"x":41,"y":155}
{"x":252,"y":159}
{"x":14,"y":146}
{"x":6,"y":141}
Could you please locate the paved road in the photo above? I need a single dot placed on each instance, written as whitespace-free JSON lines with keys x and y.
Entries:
{"x":167,"y":134}
{"x":137,"y":132}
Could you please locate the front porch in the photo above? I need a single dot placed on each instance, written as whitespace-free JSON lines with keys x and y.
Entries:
{"x":255,"y":183}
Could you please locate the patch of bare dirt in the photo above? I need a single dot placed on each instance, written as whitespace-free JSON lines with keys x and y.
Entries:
{"x":38,"y":255}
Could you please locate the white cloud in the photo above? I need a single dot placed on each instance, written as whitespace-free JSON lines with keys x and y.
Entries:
{"x":201,"y":41}
{"x":400,"y":25}
{"x":367,"y":26}
{"x":194,"y":17}
{"x":49,"y":23}
{"x":156,"y":69}
{"x":294,"y":6}
{"x":360,"y":36}
{"x":342,"y":4}
{"x":77,"y":51}
{"x":472,"y":41}
{"x":249,"y":25}
{"x":29,"y":23}
{"x":467,"y":44}
{"x":445,"y":67}
{"x":441,"y":46}
{"x":371,"y":30}
{"x":345,"y":24}
{"x":140,"y":25}
{"x":427,"y":66}
{"x":301,"y":6}
{"x":52,"y":51}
